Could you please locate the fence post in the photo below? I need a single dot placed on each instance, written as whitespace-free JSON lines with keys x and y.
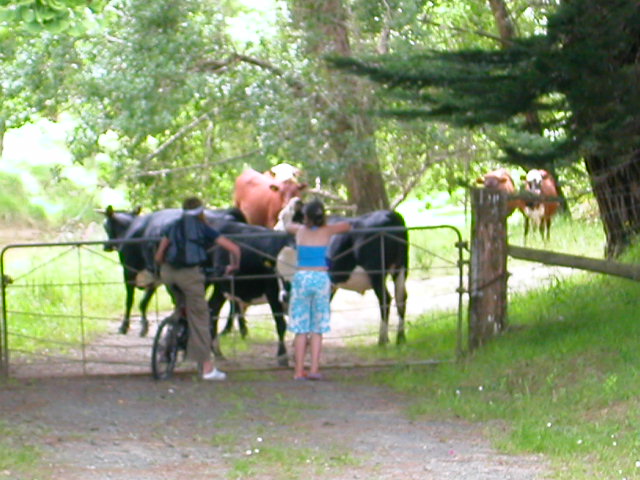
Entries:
{"x":488,"y":266}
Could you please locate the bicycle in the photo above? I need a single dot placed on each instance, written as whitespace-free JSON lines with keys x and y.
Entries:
{"x":169,"y":346}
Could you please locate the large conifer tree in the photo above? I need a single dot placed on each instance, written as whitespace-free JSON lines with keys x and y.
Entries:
{"x":581,"y":78}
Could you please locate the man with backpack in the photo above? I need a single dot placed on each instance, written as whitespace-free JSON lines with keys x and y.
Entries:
{"x":181,"y":254}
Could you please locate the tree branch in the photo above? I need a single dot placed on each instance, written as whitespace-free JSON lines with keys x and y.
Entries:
{"x":220,"y":66}
{"x":167,"y":171}
{"x":383,"y":44}
{"x":480,"y":33}
{"x":407,"y":187}
{"x":178,"y":135}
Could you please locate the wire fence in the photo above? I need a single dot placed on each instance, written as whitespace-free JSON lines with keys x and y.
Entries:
{"x":62,"y":305}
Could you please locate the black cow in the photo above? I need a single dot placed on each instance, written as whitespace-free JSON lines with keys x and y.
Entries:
{"x":255,"y":278}
{"x":379,"y":253}
{"x":119,"y":225}
{"x":363,"y":258}
{"x":136,"y":256}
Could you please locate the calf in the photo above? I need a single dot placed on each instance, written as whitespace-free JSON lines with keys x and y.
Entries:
{"x":540,"y":183}
{"x":255,"y":278}
{"x":501,"y":180}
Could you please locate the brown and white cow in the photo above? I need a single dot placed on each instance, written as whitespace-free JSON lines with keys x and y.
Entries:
{"x":261,"y":196}
{"x":501,"y":180}
{"x":539,"y":212}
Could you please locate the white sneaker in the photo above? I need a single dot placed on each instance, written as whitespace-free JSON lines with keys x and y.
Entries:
{"x":214,"y":374}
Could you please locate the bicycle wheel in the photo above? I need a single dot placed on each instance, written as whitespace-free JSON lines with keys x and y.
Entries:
{"x":164,"y":353}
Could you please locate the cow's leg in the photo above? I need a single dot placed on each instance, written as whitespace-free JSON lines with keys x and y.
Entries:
{"x":242,"y":320}
{"x":216,"y":301}
{"x":228,"y":328}
{"x":526,"y":229}
{"x":144,"y":304}
{"x":541,"y":228}
{"x":399,"y":280}
{"x":281,"y":323}
{"x":547,"y":227}
{"x":384,"y":300}
{"x":128,"y":304}
{"x":236,"y":311}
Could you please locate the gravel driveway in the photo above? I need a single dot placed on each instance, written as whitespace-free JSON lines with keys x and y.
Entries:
{"x":257,"y":425}
{"x":263,"y":426}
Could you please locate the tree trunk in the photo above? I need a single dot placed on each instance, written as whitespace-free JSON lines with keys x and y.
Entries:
{"x":503,"y":20}
{"x":617,"y":191}
{"x":351,"y":133}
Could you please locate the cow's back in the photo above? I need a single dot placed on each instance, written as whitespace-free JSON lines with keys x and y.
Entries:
{"x":365,"y":249}
{"x":254,"y":198}
{"x":396,"y":247}
{"x":261,"y":197}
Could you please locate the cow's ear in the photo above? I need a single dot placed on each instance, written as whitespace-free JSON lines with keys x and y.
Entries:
{"x":544,"y":174}
{"x":302,"y":186}
{"x":274,"y":187}
{"x":502,"y":180}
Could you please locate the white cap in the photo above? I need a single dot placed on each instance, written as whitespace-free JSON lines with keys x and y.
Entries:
{"x":194,"y":211}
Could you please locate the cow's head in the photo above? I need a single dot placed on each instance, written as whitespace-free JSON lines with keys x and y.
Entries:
{"x":533,"y":180}
{"x":116,"y":224}
{"x":284,"y":172}
{"x":291,"y":213}
{"x":287,"y":191}
{"x":494,"y":180}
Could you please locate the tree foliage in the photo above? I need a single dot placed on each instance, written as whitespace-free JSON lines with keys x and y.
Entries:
{"x":579,"y":77}
{"x":54,"y":16}
{"x":169,"y":102}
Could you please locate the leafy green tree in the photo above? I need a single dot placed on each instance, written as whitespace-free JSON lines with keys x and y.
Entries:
{"x":176,"y":104}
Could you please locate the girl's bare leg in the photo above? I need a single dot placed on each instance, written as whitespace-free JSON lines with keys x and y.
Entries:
{"x":316,"y":349}
{"x":300,"y":351}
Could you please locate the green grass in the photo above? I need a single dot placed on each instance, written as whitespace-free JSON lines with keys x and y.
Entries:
{"x":17,"y":459}
{"x":576,"y":236}
{"x":62,"y":295}
{"x":289,"y":462}
{"x":561,"y":381}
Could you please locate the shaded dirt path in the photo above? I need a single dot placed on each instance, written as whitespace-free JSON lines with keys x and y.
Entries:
{"x":259,"y":424}
{"x":258,"y":427}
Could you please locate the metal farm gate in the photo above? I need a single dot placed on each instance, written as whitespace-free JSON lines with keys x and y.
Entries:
{"x":62,"y":304}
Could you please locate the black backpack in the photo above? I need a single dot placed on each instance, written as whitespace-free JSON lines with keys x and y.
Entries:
{"x":185,"y":250}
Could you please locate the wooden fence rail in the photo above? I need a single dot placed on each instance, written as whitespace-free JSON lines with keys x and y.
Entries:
{"x":488,"y":266}
{"x":608,"y":267}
